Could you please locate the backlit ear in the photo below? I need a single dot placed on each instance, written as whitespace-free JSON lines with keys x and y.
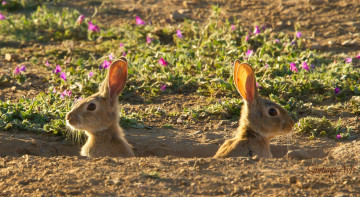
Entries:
{"x":244,"y":79}
{"x":116,"y":77}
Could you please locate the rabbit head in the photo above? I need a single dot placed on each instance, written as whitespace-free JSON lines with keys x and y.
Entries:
{"x":261,"y":115}
{"x":99,"y":111}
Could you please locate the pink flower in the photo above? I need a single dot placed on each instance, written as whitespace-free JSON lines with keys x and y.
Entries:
{"x":348,"y":60}
{"x":299,"y":124}
{"x":47,"y":63}
{"x":149,"y":40}
{"x":163,"y":62}
{"x":139,"y":21}
{"x":358,"y":56}
{"x":233,"y":27}
{"x":17,"y":70}
{"x":293,"y":67}
{"x":124,"y":54}
{"x":105,"y":64}
{"x":298,"y":34}
{"x":247,"y":38}
{"x":162,"y":87}
{"x":305,"y":66}
{"x":178,"y":33}
{"x":23,"y":68}
{"x":338,"y":136}
{"x":249,"y":53}
{"x":78,"y":99}
{"x":3,"y":2}
{"x":337,"y":90}
{"x":267,"y":65}
{"x":65,"y":94}
{"x":111,"y":56}
{"x":91,"y":74}
{"x":54,"y":90}
{"x":57,"y":69}
{"x":277,"y":41}
{"x":121,"y":45}
{"x":256,"y":30}
{"x":80,"y":19}
{"x":2,"y":17}
{"x":63,"y":76}
{"x":93,"y":27}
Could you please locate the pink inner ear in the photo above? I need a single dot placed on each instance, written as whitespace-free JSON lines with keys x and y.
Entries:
{"x":250,"y":88}
{"x":117,"y":77}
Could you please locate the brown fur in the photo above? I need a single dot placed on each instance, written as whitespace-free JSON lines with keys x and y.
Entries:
{"x":256,"y":126}
{"x":105,"y":136}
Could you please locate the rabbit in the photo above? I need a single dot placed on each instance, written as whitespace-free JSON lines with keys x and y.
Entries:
{"x":261,"y":119}
{"x":98,"y":116}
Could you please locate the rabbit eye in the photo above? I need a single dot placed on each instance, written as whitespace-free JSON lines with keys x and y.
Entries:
{"x":91,"y":107}
{"x":273,"y":112}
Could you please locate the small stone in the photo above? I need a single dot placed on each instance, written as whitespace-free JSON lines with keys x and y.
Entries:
{"x":179,"y":120}
{"x":197,"y":132}
{"x":298,"y":154}
{"x":13,"y":88}
{"x":9,"y":57}
{"x":292,"y":179}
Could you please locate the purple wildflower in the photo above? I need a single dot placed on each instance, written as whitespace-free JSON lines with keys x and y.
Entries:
{"x":162,"y":62}
{"x":149,"y":40}
{"x":256,"y":30}
{"x":111,"y":56}
{"x":63,"y":76}
{"x":358,"y":56}
{"x":78,"y":99}
{"x":3,"y":2}
{"x":139,"y":21}
{"x":80,"y":19}
{"x":348,"y":60}
{"x":47,"y":63}
{"x":233,"y":27}
{"x":267,"y":65}
{"x":54,"y":90}
{"x":91,"y":74}
{"x":299,"y":124}
{"x":178,"y":34}
{"x":17,"y":70}
{"x":249,"y":53}
{"x":312,"y":66}
{"x":124,"y":54}
{"x":338,"y":136}
{"x":65,"y":94}
{"x":23,"y":68}
{"x":293,"y":67}
{"x":162,"y":87}
{"x":298,"y":34}
{"x":247,"y":38}
{"x":337,"y":90}
{"x":57,"y":69}
{"x":105,"y":64}
{"x":293,"y":42}
{"x":121,"y":45}
{"x":305,"y":66}
{"x":2,"y":17}
{"x":277,"y":41}
{"x":93,"y":27}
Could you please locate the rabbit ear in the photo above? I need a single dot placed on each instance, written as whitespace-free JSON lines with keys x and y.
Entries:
{"x":244,"y":79}
{"x":115,"y":80}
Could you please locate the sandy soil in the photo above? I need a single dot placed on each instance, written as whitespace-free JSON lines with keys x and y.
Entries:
{"x":177,"y":162}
